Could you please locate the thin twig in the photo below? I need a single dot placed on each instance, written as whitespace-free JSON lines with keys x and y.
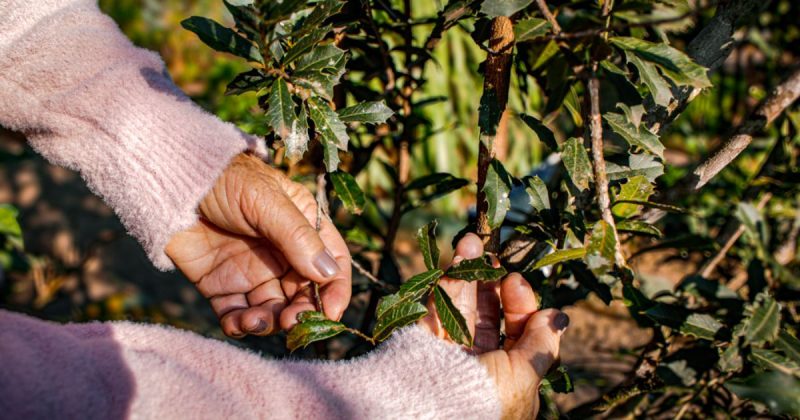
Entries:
{"x":366,"y":273}
{"x":322,"y":211}
{"x":549,"y":16}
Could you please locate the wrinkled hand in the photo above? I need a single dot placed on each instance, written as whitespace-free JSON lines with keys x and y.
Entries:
{"x":532,"y":336}
{"x":255,"y":251}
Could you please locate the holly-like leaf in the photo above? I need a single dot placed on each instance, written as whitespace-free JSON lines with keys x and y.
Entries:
{"x":529,"y":29}
{"x":497,"y":190}
{"x":323,"y":10}
{"x":426,"y":238}
{"x":476,"y":269}
{"x":320,"y":69}
{"x":283,"y":120}
{"x":601,"y":248}
{"x":411,"y":291}
{"x":638,"y":227}
{"x":638,"y":188}
{"x":544,"y":134}
{"x":638,"y":164}
{"x":778,"y":391}
{"x":311,"y":330}
{"x":789,"y":345}
{"x":537,"y":192}
{"x":560,"y":256}
{"x":222,"y":39}
{"x":576,"y":160}
{"x":304,"y":45}
{"x":495,"y":8}
{"x":397,"y":317}
{"x":658,"y":87}
{"x":772,"y":360}
{"x":673,"y":63}
{"x":332,"y":131}
{"x":730,"y":359}
{"x":452,"y":319}
{"x":762,"y":321}
{"x":348,"y":191}
{"x":367,"y":112}
{"x":678,"y":318}
{"x":638,"y":136}
{"x":249,"y":81}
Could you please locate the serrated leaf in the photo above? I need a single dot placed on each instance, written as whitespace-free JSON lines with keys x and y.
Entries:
{"x":702,"y":326}
{"x":476,"y":269}
{"x":304,"y":45}
{"x":323,"y":10}
{"x":638,"y":188}
{"x":789,"y":345}
{"x":635,"y":136}
{"x":452,"y":319}
{"x":638,"y":164}
{"x":537,"y":192}
{"x":638,"y":227}
{"x":771,"y":360}
{"x":730,"y":360}
{"x":250,"y":81}
{"x":320,"y":58}
{"x":544,"y":134}
{"x":778,"y":391}
{"x":762,"y":321}
{"x":658,"y":87}
{"x":411,"y":291}
{"x":222,"y":39}
{"x":332,"y":131}
{"x":495,"y":8}
{"x":560,"y":256}
{"x":348,"y":191}
{"x":601,"y":248}
{"x":528,"y":29}
{"x":280,"y":112}
{"x":576,"y":160}
{"x":426,"y":238}
{"x":673,"y":63}
{"x":497,"y":189}
{"x":367,"y":112}
{"x":397,"y":317}
{"x":312,"y":330}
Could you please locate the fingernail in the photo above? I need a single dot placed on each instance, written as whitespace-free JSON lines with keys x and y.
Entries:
{"x":325,"y":264}
{"x":237,"y":334}
{"x":260,"y":327}
{"x":561,"y":322}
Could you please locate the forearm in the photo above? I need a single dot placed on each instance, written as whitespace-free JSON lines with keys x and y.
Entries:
{"x":87,"y":99}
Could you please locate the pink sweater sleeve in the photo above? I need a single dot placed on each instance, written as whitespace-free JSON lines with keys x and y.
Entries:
{"x":88,"y":99}
{"x":117,"y":370}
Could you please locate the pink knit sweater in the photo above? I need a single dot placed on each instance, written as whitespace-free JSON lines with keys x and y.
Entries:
{"x":87,"y":99}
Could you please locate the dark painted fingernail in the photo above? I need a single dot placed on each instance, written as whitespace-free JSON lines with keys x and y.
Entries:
{"x":325,"y":264}
{"x":561,"y":322}
{"x":260,"y":327}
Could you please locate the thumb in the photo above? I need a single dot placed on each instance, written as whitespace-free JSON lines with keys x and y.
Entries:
{"x":283,"y":224}
{"x":541,"y":340}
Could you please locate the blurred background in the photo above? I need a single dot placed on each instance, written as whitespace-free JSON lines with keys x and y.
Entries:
{"x":79,"y":264}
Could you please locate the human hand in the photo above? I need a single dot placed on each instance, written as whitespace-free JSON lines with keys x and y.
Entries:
{"x":255,"y":251}
{"x":532,"y":336}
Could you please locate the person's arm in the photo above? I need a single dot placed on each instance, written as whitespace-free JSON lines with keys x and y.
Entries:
{"x":89,"y":100}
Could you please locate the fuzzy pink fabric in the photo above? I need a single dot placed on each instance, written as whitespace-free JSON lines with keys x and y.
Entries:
{"x":125,"y":370}
{"x":88,"y":99}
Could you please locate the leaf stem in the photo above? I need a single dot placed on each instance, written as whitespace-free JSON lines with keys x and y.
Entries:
{"x":362,"y":335}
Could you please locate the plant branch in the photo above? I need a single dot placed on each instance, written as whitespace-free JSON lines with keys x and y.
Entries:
{"x":366,"y":273}
{"x":549,"y":16}
{"x":322,"y":211}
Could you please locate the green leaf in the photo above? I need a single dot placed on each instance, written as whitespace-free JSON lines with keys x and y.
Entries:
{"x":321,"y":58}
{"x":304,"y":45}
{"x":638,"y":188}
{"x":250,"y":81}
{"x":489,"y":113}
{"x":332,"y":131}
{"x":638,"y":164}
{"x":673,"y":63}
{"x":771,"y":360}
{"x":537,"y":192}
{"x":431,"y":180}
{"x":702,"y":326}
{"x":601,"y":248}
{"x":452,"y":319}
{"x":576,"y":160}
{"x":495,"y":8}
{"x":397,"y":317}
{"x":730,"y":360}
{"x":222,"y":39}
{"x":323,"y":10}
{"x":442,"y":183}
{"x":638,"y":227}
{"x":544,"y":134}
{"x":661,"y":206}
{"x":559,"y":256}
{"x":559,"y":381}
{"x":312,"y":330}
{"x":411,"y":291}
{"x":497,"y":190}
{"x":789,"y":345}
{"x":476,"y":269}
{"x":762,"y":321}
{"x":778,"y":391}
{"x":658,"y":87}
{"x":367,"y":112}
{"x":635,"y":136}
{"x":240,"y":2}
{"x":8,"y":221}
{"x":528,"y":29}
{"x":348,"y":191}
{"x":306,"y":316}
{"x":426,"y":238}
{"x":280,"y":112}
